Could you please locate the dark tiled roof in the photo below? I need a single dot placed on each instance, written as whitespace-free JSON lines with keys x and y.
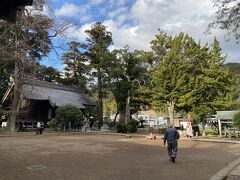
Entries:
{"x":58,"y":95}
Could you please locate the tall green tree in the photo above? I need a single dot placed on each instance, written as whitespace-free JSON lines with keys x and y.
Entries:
{"x":212,"y":85}
{"x":76,"y":69}
{"x":98,"y":41}
{"x":234,"y":69}
{"x":192,"y":78}
{"x":169,"y":73}
{"x":127,"y":75}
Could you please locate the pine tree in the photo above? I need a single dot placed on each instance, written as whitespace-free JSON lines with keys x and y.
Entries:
{"x":75,"y":69}
{"x":98,"y":41}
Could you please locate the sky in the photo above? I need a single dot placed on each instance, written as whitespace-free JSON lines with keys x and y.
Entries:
{"x":136,"y":22}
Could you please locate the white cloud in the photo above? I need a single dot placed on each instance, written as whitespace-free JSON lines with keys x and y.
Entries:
{"x":73,"y":10}
{"x":67,"y":10}
{"x":127,"y":35}
{"x":96,"y":2}
{"x":137,"y":25}
{"x":117,"y":2}
{"x":117,"y":12}
{"x":78,"y":34}
{"x":171,"y":16}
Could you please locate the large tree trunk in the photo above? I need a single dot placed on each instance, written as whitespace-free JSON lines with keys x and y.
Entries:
{"x":100,"y":102}
{"x":127,"y":115}
{"x":171,"y":112}
{"x":122,"y":114}
{"x":18,"y":78}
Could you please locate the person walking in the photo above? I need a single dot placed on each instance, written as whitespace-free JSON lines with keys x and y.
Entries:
{"x":20,"y":127}
{"x":172,"y":136}
{"x":24,"y":128}
{"x":38,"y":127}
{"x":41,"y":128}
{"x":189,"y":130}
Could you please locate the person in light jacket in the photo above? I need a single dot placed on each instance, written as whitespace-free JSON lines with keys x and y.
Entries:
{"x":189,"y":130}
{"x":38,"y":127}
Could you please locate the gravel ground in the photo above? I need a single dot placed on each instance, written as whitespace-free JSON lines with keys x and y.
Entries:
{"x":105,"y":157}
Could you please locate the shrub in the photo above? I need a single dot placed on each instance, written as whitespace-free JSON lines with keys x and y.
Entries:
{"x":121,"y":128}
{"x":236,"y":120}
{"x":65,"y":115}
{"x":91,"y":114}
{"x":53,"y":124}
{"x":132,"y":126}
{"x":196,"y":129}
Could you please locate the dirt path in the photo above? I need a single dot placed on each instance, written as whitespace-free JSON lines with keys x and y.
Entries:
{"x":98,"y":157}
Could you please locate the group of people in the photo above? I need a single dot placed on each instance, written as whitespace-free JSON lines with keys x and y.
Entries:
{"x":172,"y":136}
{"x":22,"y":127}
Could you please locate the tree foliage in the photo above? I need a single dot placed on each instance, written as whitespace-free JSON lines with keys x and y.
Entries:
{"x":24,"y":43}
{"x":48,"y":74}
{"x":98,"y":41}
{"x":127,"y":74}
{"x":68,"y":114}
{"x":170,"y":72}
{"x":227,"y":17}
{"x":236,"y":120}
{"x":191,"y":78}
{"x":76,"y":69}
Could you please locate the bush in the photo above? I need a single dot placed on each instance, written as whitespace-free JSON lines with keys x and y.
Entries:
{"x":121,"y":128}
{"x":91,"y":114}
{"x":195,"y":128}
{"x":236,"y":120}
{"x":130,"y":127}
{"x":65,"y":115}
{"x":53,"y":124}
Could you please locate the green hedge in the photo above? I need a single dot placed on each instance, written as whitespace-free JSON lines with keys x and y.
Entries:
{"x":130,"y":127}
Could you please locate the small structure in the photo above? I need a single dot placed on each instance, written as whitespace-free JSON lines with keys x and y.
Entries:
{"x":224,"y":117}
{"x":40,"y":99}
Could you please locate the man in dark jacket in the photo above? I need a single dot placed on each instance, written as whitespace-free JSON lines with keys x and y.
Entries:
{"x":172,"y":136}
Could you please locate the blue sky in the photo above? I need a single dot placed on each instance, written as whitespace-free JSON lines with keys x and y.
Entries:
{"x":135,"y":22}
